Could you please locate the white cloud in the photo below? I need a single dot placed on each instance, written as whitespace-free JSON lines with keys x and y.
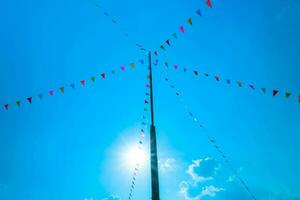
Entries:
{"x":196,"y":177}
{"x":167,"y":164}
{"x":112,"y":197}
{"x":208,"y":170}
{"x":209,"y":191}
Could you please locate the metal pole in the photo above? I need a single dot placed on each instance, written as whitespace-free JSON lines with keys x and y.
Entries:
{"x":153,"y":145}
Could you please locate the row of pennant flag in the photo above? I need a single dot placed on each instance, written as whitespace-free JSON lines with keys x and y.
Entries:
{"x":182,"y":30}
{"x":142,"y":132}
{"x":239,"y":83}
{"x":114,"y":21}
{"x":73,"y":86}
{"x":213,"y":142}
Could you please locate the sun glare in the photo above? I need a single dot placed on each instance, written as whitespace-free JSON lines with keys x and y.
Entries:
{"x":135,"y":156}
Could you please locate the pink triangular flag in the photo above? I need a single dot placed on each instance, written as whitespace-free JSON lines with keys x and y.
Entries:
{"x":82,"y":82}
{"x":103,"y":75}
{"x":123,"y":68}
{"x":51,"y":92}
{"x":217,"y":78}
{"x":182,"y":29}
{"x":6,"y":106}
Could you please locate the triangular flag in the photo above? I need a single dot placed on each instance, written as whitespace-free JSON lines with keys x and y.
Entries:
{"x":228,"y":81}
{"x":62,"y":89}
{"x":51,"y":92}
{"x":18,"y":103}
{"x":299,"y":98}
{"x":251,"y":86}
{"x":240,"y":84}
{"x":288,"y":94}
{"x":172,"y":86}
{"x":217,"y":78}
{"x":167,"y":64}
{"x":206,"y":74}
{"x":6,"y":106}
{"x":175,"y":66}
{"x":123,"y":68}
{"x":103,"y":75}
{"x":177,"y":93}
{"x":199,"y":12}
{"x":82,"y":82}
{"x":146,"y":102}
{"x":93,"y":78}
{"x":185,"y":69}
{"x":182,"y":29}
{"x":40,"y":96}
{"x":147,"y":86}
{"x":275,"y":92}
{"x":174,"y":35}
{"x":113,"y":71}
{"x":142,"y":62}
{"x":190,"y":21}
{"x":166,"y":79}
{"x":208,"y":3}
{"x":264,"y":90}
{"x":162,"y":47}
{"x":168,"y":42}
{"x":156,"y":53}
{"x":29,"y":99}
{"x":132,"y":65}
{"x":147,"y":94}
{"x":196,"y":72}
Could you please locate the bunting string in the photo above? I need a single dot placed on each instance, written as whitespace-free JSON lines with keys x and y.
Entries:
{"x":240,"y":84}
{"x":168,"y":43}
{"x":142,"y":132}
{"x":212,"y":141}
{"x":61,"y":90}
{"x":116,"y":22}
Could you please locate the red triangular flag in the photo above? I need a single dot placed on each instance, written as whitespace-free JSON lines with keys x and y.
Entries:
{"x":103,"y":75}
{"x":275,"y":92}
{"x":82,"y":82}
{"x":217,"y":78}
{"x":208,"y":3}
{"x":299,"y":99}
{"x":29,"y":99}
{"x":6,"y":106}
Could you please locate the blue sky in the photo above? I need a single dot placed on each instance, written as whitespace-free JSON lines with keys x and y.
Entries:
{"x":71,"y":146}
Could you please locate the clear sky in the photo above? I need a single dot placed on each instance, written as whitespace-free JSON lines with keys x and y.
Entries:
{"x":72,"y":145}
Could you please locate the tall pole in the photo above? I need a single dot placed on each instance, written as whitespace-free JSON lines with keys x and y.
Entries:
{"x":153,"y":145}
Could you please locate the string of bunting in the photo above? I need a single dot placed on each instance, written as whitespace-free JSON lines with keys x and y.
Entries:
{"x":114,"y":21}
{"x":142,"y":132}
{"x":239,"y":83}
{"x":212,"y":141}
{"x":61,"y":90}
{"x":181,"y":30}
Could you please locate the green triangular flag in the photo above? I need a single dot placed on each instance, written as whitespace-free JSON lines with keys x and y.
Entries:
{"x":93,"y":79}
{"x":288,"y":94}
{"x":174,"y":35}
{"x":167,"y":64}
{"x":162,"y":47}
{"x":18,"y":103}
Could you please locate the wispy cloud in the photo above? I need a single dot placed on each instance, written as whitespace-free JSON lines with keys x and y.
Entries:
{"x":167,"y":164}
{"x":201,"y":171}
